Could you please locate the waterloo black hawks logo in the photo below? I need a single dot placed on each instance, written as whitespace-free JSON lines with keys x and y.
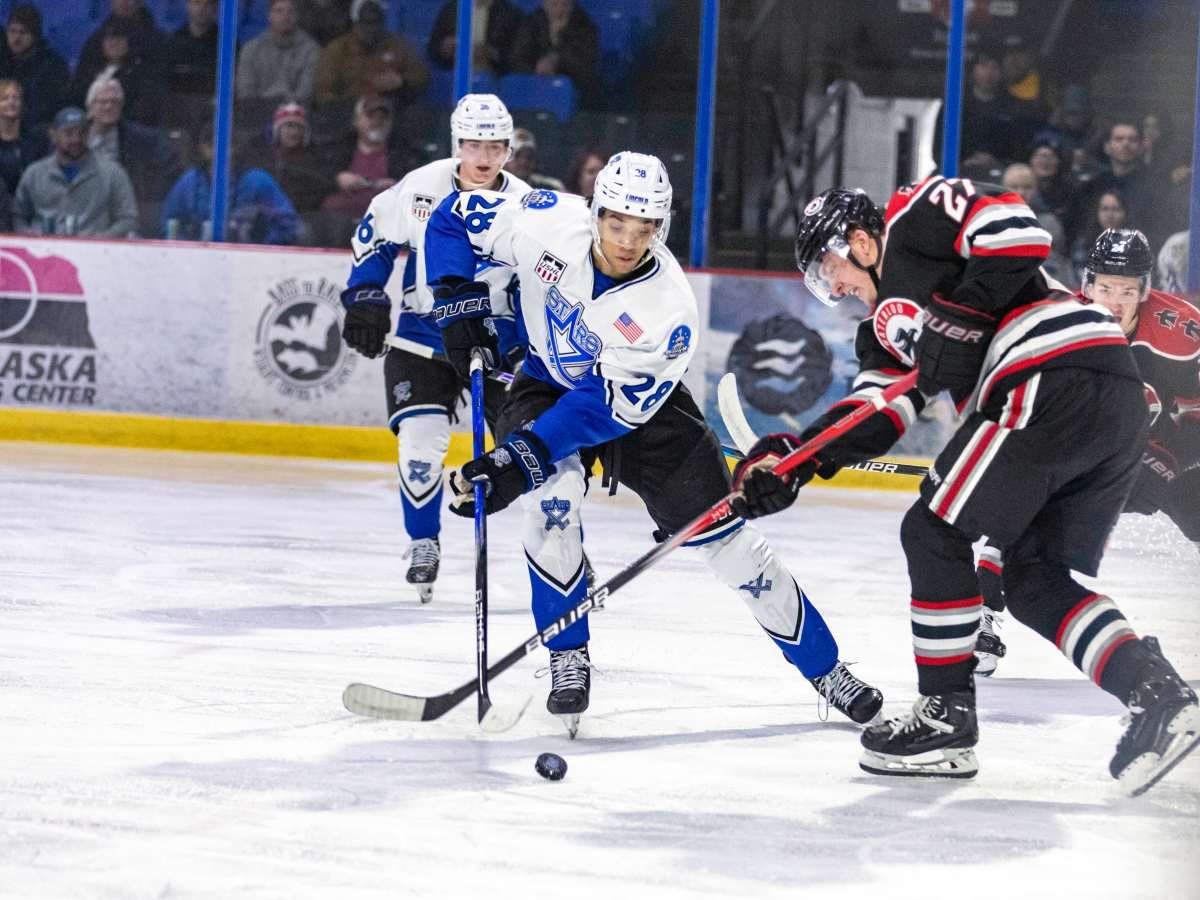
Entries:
{"x":897,"y":326}
{"x":299,"y":348}
{"x":423,"y":206}
{"x":550,"y":268}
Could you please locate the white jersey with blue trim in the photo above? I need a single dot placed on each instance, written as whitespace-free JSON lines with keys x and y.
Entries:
{"x":637,"y":336}
{"x":397,"y":219}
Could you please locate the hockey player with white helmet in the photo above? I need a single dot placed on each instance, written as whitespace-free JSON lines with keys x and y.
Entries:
{"x":612,"y":324}
{"x":422,"y":393}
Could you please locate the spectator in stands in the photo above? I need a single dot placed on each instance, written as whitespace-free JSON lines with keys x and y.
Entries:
{"x":192,"y":51}
{"x":1107,"y":210}
{"x":73,"y":191}
{"x":991,"y":134}
{"x":1169,"y":171}
{"x":279,"y":64}
{"x":1019,"y":178}
{"x":365,"y":165}
{"x":143,"y":151}
{"x":585,"y":166}
{"x":1054,"y":192}
{"x":1070,"y":126}
{"x":494,"y":26}
{"x":368,"y":60}
{"x":560,"y":39}
{"x":1172,"y":272}
{"x":25,"y":57}
{"x":260,"y":211}
{"x":19,"y":145}
{"x":289,"y":158}
{"x":6,"y":220}
{"x":146,"y":42}
{"x":1021,"y":77}
{"x":524,"y":161}
{"x":325,"y":19}
{"x":1123,"y":172}
{"x":144,"y":88}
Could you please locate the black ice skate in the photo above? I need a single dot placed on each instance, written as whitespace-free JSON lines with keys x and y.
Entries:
{"x":423,"y":570}
{"x":571,"y":685}
{"x":989,"y":649}
{"x":855,"y":699}
{"x":934,"y":740}
{"x":1163,"y":725}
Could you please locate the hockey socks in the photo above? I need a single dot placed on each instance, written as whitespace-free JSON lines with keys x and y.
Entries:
{"x":423,"y":440}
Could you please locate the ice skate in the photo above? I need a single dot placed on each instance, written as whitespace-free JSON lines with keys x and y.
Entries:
{"x":571,"y":685}
{"x":1162,"y":728}
{"x":989,"y":649}
{"x":423,"y":570}
{"x":850,"y":696}
{"x":933,"y":740}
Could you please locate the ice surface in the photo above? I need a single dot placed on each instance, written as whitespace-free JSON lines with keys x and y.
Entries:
{"x":177,"y":631}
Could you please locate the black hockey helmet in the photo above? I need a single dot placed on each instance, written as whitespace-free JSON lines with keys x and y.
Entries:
{"x":827,"y":221}
{"x":1121,"y":251}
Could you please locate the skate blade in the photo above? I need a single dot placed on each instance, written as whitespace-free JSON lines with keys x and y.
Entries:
{"x":952,"y":763}
{"x":500,"y":717}
{"x":1148,"y":769}
{"x":571,"y":721}
{"x":424,"y":593}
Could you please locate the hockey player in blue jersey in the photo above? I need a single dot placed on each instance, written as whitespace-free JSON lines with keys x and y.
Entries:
{"x":612,"y":324}
{"x":422,"y":393}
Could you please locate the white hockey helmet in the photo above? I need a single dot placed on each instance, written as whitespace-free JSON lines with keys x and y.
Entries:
{"x":480,"y":117}
{"x":634,"y":184}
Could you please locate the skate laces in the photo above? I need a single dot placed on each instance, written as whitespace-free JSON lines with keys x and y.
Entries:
{"x":838,"y":687}
{"x":568,"y":669}
{"x":924,"y":712}
{"x":990,"y":621}
{"x":424,"y":552}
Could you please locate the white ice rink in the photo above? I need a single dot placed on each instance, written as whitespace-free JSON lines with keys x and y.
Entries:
{"x":177,"y":630}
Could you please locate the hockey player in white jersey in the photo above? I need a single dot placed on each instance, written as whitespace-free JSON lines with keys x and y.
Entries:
{"x":612,"y":325}
{"x":422,"y":393}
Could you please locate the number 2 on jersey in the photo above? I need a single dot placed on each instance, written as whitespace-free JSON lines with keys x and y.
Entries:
{"x":480,"y":221}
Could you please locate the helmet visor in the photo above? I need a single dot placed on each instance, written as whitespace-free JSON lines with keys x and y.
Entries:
{"x":822,"y":273}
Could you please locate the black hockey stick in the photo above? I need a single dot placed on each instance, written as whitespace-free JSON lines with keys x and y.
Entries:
{"x":379,"y":703}
{"x":871,"y":465}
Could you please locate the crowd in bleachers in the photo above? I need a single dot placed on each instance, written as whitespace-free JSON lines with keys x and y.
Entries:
{"x":1080,"y":171}
{"x":319,"y":88}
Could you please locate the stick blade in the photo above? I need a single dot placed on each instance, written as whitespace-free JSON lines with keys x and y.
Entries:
{"x":378,"y":703}
{"x":500,"y":717}
{"x":730,"y":405}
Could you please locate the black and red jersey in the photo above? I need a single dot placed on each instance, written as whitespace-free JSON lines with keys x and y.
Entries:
{"x":1166,"y":346}
{"x":978,"y":246}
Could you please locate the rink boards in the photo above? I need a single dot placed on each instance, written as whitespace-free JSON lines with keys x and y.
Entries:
{"x":223,"y":348}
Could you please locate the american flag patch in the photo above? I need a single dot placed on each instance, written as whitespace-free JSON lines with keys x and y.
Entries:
{"x":624,"y":323}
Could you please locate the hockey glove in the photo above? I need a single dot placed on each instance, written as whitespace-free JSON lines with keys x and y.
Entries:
{"x":951,"y":348}
{"x":520,"y":465}
{"x":368,"y":319}
{"x":1155,"y":478}
{"x":761,"y":491}
{"x":463,"y":311}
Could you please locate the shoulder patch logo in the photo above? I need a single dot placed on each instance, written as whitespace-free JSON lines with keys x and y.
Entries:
{"x":897,"y":323}
{"x":539,"y":200}
{"x":422,"y":206}
{"x":681,"y":340}
{"x":549,"y":268}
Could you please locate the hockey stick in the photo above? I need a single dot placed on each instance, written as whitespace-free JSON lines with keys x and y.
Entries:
{"x":380,"y":703}
{"x":734,"y":417}
{"x":399,"y":343}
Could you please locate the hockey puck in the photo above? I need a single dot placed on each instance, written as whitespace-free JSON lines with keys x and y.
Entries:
{"x":551,"y":766}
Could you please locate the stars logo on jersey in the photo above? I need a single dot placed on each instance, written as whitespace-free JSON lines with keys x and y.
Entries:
{"x":401,"y":391}
{"x":897,"y":323}
{"x":539,"y":200}
{"x":550,"y":268}
{"x":418,"y":472}
{"x":681,"y":339}
{"x":422,"y":206}
{"x":556,"y":511}
{"x":757,"y":587}
{"x":572,"y":348}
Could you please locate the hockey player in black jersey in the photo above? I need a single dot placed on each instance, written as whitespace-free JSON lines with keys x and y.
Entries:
{"x":952,"y":274}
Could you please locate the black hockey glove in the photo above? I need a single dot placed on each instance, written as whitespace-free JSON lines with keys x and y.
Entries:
{"x":951,"y":348}
{"x":1155,"y":479}
{"x":762,"y":492}
{"x":463,"y":311}
{"x":520,"y":465}
{"x":368,"y":319}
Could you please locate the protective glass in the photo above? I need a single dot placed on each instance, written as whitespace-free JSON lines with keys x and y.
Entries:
{"x":821,"y":276}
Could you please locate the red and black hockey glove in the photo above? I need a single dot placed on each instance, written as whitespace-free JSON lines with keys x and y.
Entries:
{"x":950,"y":350}
{"x":1155,"y":480}
{"x":761,"y":491}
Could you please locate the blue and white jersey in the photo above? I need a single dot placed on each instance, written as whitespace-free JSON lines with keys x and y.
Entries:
{"x":396,"y":220}
{"x":616,"y":349}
